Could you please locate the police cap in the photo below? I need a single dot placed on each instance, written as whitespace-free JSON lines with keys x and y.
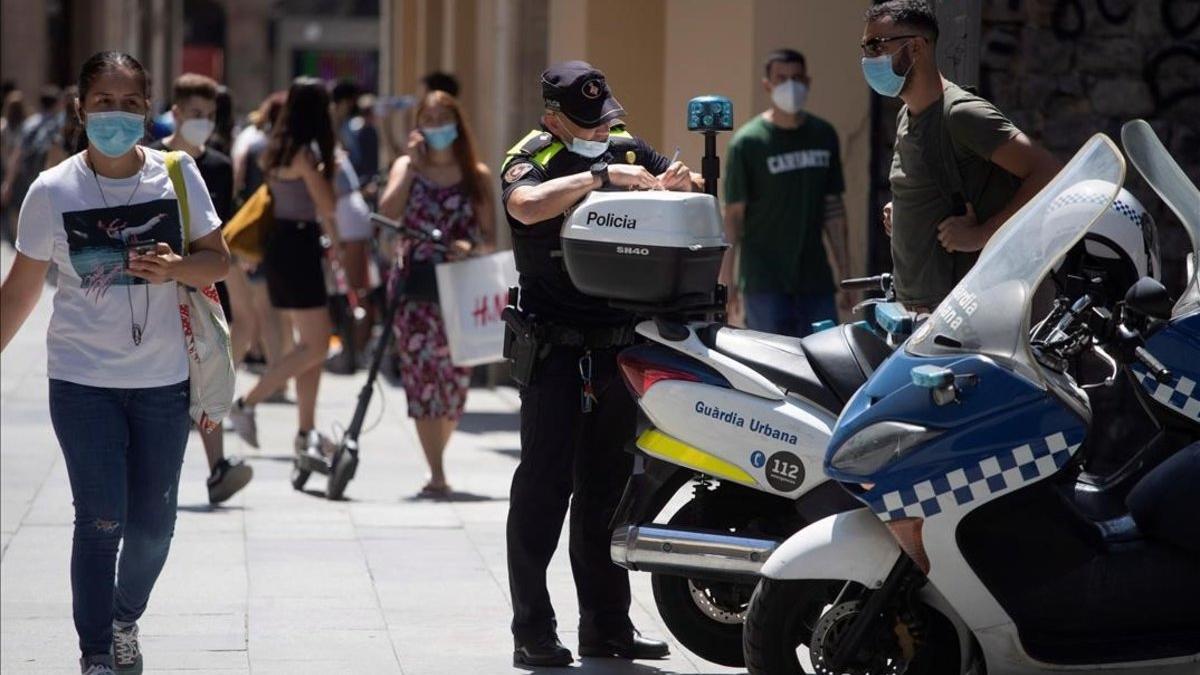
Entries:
{"x":580,"y":92}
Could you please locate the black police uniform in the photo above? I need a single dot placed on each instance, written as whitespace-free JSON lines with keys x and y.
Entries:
{"x":564,"y":450}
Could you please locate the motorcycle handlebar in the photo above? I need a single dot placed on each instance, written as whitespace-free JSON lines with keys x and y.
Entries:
{"x":863,"y":282}
{"x":1156,"y":368}
{"x":434,"y":237}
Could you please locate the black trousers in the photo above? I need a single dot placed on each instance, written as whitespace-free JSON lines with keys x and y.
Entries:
{"x":570,"y":456}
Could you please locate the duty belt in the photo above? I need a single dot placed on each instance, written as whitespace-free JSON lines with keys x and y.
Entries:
{"x":600,"y":337}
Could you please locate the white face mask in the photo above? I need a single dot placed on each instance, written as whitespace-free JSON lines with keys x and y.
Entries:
{"x":790,"y":96}
{"x":589,"y":149}
{"x":196,"y":131}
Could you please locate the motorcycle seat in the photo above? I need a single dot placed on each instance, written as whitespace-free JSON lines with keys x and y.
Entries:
{"x":825,"y":368}
{"x":844,"y":357}
{"x":1166,"y":504}
{"x":778,"y":358}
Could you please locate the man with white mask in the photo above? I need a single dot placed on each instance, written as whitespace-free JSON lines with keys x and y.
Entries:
{"x":194,"y":107}
{"x":783,"y":206}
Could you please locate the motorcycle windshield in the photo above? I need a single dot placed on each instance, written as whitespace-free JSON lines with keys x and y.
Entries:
{"x":988,"y":311}
{"x":1150,"y":157}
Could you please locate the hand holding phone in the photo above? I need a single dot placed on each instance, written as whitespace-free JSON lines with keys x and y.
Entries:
{"x":152,"y":261}
{"x":137,"y":249}
{"x":416,"y":147}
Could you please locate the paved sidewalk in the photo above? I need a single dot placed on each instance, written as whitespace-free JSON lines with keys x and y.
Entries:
{"x":278,"y":581}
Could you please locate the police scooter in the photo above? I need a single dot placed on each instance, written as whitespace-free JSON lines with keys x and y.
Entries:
{"x":973,"y":554}
{"x":341,"y":465}
{"x":743,"y":415}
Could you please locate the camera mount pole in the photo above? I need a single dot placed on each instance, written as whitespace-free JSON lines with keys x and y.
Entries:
{"x":710,"y":163}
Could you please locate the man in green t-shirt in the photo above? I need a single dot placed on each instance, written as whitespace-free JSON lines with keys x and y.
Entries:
{"x":783,"y":197}
{"x":960,"y":168}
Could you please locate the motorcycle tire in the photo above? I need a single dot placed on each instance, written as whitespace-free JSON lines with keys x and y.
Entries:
{"x":719,"y":641}
{"x":707,"y":637}
{"x":780,"y":621}
{"x":299,"y":477}
{"x":343,"y":471}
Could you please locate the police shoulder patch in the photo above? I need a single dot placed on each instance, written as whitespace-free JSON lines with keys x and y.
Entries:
{"x":516,"y":170}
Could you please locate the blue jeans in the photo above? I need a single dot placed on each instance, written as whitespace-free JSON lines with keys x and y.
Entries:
{"x":786,"y":314}
{"x":124,"y":450}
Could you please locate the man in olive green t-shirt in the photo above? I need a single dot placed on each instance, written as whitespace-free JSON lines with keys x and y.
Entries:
{"x":960,"y":168}
{"x":783,"y":195}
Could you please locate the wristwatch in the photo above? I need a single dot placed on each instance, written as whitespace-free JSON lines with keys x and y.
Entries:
{"x":600,"y":170}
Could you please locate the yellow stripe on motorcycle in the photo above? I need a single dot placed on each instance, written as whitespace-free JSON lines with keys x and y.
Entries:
{"x":664,"y":447}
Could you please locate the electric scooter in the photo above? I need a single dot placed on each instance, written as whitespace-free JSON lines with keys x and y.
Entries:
{"x":341,"y":465}
{"x":974,"y":553}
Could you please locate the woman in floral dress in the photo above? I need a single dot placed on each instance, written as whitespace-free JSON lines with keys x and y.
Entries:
{"x":438,"y":185}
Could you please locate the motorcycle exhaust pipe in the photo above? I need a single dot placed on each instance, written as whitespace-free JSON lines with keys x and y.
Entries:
{"x":692,"y":553}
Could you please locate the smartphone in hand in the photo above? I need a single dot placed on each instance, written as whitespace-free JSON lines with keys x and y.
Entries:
{"x":140,"y":248}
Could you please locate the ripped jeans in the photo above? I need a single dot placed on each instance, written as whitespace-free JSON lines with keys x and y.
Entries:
{"x":123,"y":450}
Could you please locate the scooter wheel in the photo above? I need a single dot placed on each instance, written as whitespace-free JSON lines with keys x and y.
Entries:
{"x":703,"y":615}
{"x":299,"y":477}
{"x":343,"y":471}
{"x":779,"y":623}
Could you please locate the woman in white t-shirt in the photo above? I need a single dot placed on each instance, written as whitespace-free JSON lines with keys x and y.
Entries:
{"x":109,"y":219}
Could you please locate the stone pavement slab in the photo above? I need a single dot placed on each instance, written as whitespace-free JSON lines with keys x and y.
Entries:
{"x":280,"y":581}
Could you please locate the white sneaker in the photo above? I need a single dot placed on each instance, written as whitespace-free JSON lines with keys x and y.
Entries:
{"x":127,"y":653}
{"x":242,"y":418}
{"x":314,"y":444}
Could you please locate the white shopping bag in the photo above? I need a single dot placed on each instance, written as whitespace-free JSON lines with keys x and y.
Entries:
{"x":473,"y":292}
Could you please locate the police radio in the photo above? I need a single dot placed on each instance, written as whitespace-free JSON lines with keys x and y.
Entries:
{"x":709,"y":115}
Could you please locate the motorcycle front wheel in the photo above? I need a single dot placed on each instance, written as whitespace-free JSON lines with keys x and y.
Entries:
{"x":780,"y":622}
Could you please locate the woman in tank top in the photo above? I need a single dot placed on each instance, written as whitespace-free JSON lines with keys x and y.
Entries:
{"x":299,"y":165}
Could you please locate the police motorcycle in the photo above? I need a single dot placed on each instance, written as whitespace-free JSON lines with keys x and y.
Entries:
{"x":742,"y":415}
{"x":341,"y":464}
{"x":976,"y":553}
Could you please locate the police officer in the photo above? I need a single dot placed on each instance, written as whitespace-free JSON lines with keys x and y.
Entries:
{"x":576,"y":413}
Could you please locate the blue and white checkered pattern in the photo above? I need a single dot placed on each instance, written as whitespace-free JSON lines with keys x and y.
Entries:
{"x":1181,"y":395}
{"x":1009,"y":469}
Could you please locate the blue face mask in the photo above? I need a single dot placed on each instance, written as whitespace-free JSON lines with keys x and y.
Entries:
{"x":881,"y":77}
{"x":115,"y":133}
{"x":440,"y":138}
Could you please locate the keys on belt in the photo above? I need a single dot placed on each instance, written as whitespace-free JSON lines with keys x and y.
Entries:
{"x":587,"y":394}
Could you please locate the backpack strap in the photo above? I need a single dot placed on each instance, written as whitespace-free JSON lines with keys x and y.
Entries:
{"x":942,"y":163}
{"x":175,"y":173}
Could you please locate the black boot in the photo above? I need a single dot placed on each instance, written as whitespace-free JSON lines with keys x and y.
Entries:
{"x":629,"y":646}
{"x":545,"y":652}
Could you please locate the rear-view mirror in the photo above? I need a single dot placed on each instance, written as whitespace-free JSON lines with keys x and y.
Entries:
{"x":1149,"y":297}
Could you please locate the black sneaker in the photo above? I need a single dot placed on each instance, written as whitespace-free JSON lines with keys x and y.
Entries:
{"x":228,"y":477}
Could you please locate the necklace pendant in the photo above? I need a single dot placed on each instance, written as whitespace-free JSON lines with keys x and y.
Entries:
{"x":137,"y":335}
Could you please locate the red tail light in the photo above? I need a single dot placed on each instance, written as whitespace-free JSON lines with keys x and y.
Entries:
{"x":640,"y":375}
